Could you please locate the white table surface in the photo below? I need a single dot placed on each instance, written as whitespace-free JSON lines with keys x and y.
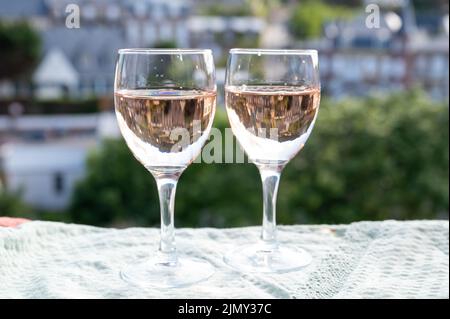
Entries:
{"x":387,"y":259}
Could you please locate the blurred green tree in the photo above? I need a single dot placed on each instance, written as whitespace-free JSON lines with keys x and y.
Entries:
{"x":263,"y":8}
{"x":308,"y":17}
{"x":219,"y":9}
{"x":117,"y":189}
{"x":20,"y":48}
{"x":11,"y":204}
{"x":164,"y":44}
{"x":372,"y":159}
{"x":430,"y":5}
{"x":367,"y":159}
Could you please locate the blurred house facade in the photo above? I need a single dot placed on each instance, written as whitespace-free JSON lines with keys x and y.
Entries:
{"x":398,"y":54}
{"x":86,"y":55}
{"x":44,"y":173}
{"x":44,"y":156}
{"x":403,"y":51}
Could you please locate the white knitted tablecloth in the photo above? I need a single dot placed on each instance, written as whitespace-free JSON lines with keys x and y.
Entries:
{"x":387,"y":259}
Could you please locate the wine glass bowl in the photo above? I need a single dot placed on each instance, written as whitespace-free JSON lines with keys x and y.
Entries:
{"x":272,"y":123}
{"x":159,"y":96}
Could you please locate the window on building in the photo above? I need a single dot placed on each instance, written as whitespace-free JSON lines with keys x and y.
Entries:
{"x":58,"y":183}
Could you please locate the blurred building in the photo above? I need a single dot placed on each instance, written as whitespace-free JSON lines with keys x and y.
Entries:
{"x":45,"y":173}
{"x":51,"y":84}
{"x":86,"y":55}
{"x":223,"y":33}
{"x":397,"y":55}
{"x":405,"y":50}
{"x":44,"y":156}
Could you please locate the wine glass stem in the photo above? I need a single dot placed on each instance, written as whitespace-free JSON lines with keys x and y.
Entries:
{"x":167,"y":247}
{"x":270,"y":180}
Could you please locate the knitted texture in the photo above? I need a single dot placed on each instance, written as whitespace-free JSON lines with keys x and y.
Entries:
{"x":386,"y":259}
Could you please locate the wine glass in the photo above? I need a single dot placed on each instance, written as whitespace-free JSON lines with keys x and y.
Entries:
{"x":272,"y":99}
{"x":165,"y":102}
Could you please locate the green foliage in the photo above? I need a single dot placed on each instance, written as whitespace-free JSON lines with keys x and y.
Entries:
{"x":263,"y":8}
{"x":219,"y":9}
{"x":165,"y":44}
{"x":259,"y":8}
{"x":243,"y":40}
{"x":11,"y":204}
{"x":367,"y":159}
{"x":19,"y":49}
{"x":430,"y":5}
{"x":308,"y":17}
{"x":372,"y":159}
{"x":117,"y":189}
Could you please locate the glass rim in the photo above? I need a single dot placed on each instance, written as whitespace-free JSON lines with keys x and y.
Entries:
{"x":175,"y":51}
{"x":273,"y":51}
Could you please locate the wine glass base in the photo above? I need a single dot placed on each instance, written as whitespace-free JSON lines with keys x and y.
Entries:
{"x":154,"y":274}
{"x":258,"y":259}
